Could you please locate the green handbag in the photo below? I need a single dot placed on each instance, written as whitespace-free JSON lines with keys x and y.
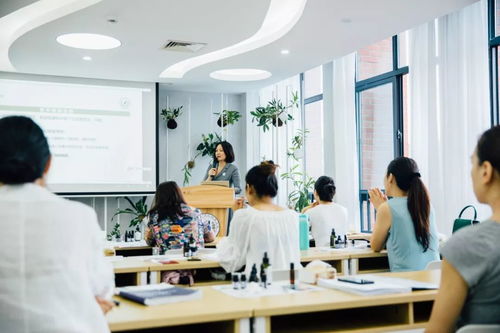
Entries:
{"x":460,"y":222}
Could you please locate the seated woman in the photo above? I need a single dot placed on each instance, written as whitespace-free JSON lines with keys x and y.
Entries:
{"x":172,"y":221}
{"x":54,"y":276}
{"x":470,"y":277}
{"x":262,"y":227}
{"x":324,"y":214}
{"x":405,"y":223}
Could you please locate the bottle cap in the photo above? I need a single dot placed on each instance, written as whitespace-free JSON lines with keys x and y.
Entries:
{"x":235,"y":278}
{"x":265,"y":260}
{"x":243,"y":277}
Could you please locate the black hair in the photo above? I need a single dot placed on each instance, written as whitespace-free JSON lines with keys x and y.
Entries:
{"x":325,"y":187}
{"x":24,"y":150}
{"x":262,"y":178}
{"x":167,"y":202}
{"x":405,"y":170}
{"x":228,"y":151}
{"x":488,"y":147}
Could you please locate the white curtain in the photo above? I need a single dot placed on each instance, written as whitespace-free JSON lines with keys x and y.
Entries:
{"x":449,"y":106}
{"x":274,"y":143}
{"x":344,"y":133}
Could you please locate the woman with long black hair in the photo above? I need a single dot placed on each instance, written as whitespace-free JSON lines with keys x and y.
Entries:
{"x":405,"y":223}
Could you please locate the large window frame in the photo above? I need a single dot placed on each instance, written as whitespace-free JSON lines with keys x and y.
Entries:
{"x":394,"y":77}
{"x":494,"y":44}
{"x":303,"y":103}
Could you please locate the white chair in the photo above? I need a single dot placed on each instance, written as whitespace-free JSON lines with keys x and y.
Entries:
{"x":475,"y":328}
{"x":436,"y":264}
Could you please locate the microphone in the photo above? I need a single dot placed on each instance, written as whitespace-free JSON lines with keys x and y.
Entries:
{"x":215,"y":164}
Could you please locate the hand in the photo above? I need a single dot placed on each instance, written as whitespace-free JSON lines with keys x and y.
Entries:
{"x":104,"y":304}
{"x":238,"y":204}
{"x":377,"y":198}
{"x":314,"y":204}
{"x":212,"y":172}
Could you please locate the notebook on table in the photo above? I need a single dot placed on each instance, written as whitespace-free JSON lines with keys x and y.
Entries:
{"x":156,"y":294}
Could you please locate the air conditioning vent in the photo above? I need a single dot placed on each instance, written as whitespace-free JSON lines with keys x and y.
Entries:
{"x":182,"y":46}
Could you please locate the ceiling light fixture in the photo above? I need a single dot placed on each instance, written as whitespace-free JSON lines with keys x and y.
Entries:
{"x":285,"y":51}
{"x":240,"y":74}
{"x":281,"y":17}
{"x":88,"y":41}
{"x":87,"y":58}
{"x":30,"y":17}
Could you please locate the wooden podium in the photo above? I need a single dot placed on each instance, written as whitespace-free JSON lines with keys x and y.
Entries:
{"x":211,"y":199}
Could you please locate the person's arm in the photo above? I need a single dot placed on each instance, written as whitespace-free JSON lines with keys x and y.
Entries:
{"x":312,"y":205}
{"x":381,"y":228}
{"x":236,"y":180}
{"x":449,"y":301}
{"x":100,"y":272}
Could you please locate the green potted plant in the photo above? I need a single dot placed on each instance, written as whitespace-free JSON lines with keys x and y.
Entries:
{"x":206,"y":147}
{"x":227,"y":117}
{"x":275,"y":113}
{"x":115,"y":233}
{"x":170,"y":115}
{"x":303,"y":185}
{"x":138,"y":210}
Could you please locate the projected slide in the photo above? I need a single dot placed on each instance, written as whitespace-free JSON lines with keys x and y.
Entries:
{"x":95,"y":133}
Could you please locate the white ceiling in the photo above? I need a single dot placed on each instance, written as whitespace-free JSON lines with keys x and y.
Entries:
{"x":143,"y":27}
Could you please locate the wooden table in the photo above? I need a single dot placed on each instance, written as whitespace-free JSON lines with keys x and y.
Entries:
{"x":315,"y":311}
{"x":216,"y":312}
{"x":336,"y":311}
{"x":346,"y":261}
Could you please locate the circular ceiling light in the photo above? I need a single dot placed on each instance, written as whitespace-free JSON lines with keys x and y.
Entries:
{"x":88,"y":41}
{"x":87,"y":58}
{"x":240,"y":74}
{"x":284,"y":52}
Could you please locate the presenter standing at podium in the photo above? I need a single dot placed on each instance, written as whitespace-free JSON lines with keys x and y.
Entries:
{"x":222,"y":168}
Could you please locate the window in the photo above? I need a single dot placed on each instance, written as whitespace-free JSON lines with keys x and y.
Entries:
{"x":381,"y":113}
{"x":312,"y":94}
{"x":494,"y":44}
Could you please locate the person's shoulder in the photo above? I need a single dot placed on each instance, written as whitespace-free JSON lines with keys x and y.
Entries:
{"x":232,"y":167}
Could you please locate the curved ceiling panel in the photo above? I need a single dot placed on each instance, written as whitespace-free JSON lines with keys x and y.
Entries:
{"x":281,"y":16}
{"x":20,"y":21}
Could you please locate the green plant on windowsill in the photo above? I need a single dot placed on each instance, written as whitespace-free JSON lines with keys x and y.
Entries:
{"x":115,"y":234}
{"x":303,"y":185}
{"x":227,"y":117}
{"x":274,"y":113}
{"x":139,"y":211}
{"x":170,"y":115}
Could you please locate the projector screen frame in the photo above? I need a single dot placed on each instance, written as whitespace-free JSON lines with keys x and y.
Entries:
{"x":82,"y":80}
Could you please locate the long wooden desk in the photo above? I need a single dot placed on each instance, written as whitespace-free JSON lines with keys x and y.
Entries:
{"x":214,"y":312}
{"x":315,"y":311}
{"x":346,"y":261}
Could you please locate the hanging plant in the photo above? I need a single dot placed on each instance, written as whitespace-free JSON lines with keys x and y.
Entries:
{"x":227,"y":117}
{"x":275,"y":113}
{"x":170,"y":115}
{"x":205,"y":148}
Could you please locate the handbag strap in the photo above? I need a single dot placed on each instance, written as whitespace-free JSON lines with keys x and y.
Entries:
{"x":465,"y":208}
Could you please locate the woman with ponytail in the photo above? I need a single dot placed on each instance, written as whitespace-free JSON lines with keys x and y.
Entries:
{"x":324,"y":214}
{"x":263,"y":227}
{"x":405,"y":223}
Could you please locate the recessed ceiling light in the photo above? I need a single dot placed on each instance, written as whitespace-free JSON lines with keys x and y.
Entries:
{"x":240,"y":74}
{"x":346,"y":20}
{"x":285,"y":51}
{"x":88,"y":41}
{"x":87,"y":58}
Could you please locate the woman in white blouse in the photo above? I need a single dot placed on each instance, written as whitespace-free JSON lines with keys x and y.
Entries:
{"x":53,"y":277}
{"x":324,"y":214}
{"x":262,"y":227}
